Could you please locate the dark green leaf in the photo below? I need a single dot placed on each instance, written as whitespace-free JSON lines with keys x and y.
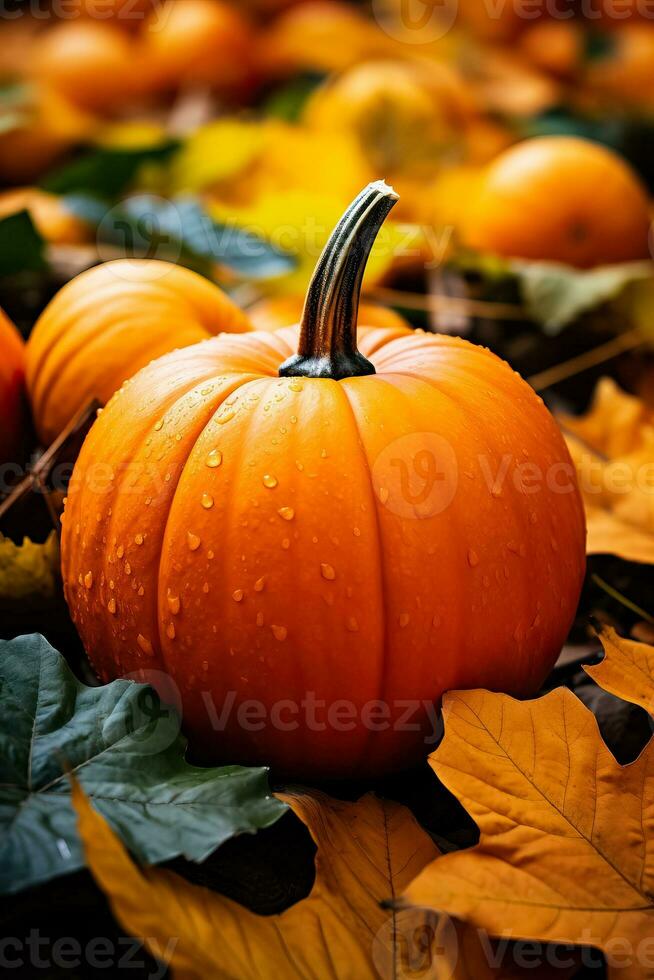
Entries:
{"x":124,"y":747}
{"x":21,"y":246}
{"x":289,"y":101}
{"x":181,"y":230}
{"x":106,"y":172}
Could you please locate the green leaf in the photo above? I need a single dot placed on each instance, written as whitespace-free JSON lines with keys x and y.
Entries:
{"x":181,"y":230}
{"x":123,"y":746}
{"x":21,"y":246}
{"x":555,"y":295}
{"x":106,"y":172}
{"x":288,"y":101}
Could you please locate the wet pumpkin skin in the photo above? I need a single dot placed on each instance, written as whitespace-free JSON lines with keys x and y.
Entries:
{"x":231,"y":528}
{"x":12,"y":390}
{"x":109,"y":322}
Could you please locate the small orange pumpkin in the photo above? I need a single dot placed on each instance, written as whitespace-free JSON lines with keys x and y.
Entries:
{"x":90,"y":62}
{"x":12,"y":390}
{"x":315,"y":546}
{"x":562,"y":199}
{"x":109,"y":322}
{"x":199,"y":42}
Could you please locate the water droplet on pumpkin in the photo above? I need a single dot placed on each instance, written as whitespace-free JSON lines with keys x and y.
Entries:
{"x":383,"y":494}
{"x":286,"y":513}
{"x":352,"y":625}
{"x":473,"y":558}
{"x":259,"y":584}
{"x":193,"y":541}
{"x":88,"y":580}
{"x":158,"y":426}
{"x":259,"y":619}
{"x":286,"y":544}
{"x":205,"y":665}
{"x":170,"y":631}
{"x":436,"y":621}
{"x":207,"y":501}
{"x":323,"y":454}
{"x":214,"y":459}
{"x":111,"y":606}
{"x":327,"y":571}
{"x":356,"y":532}
{"x":120,"y":551}
{"x":238,"y":595}
{"x":139,"y":539}
{"x":174,"y":604}
{"x":279,"y":632}
{"x":141,"y":591}
{"x":404,"y":620}
{"x":269,"y":481}
{"x":205,"y":588}
{"x":295,"y":386}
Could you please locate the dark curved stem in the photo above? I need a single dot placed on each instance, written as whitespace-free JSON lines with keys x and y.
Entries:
{"x":328,"y":333}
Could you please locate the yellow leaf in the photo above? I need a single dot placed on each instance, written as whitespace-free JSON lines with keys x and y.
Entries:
{"x":627,"y":670}
{"x":221,"y":150}
{"x":367,"y":852}
{"x":612,"y":447}
{"x":300,"y":222}
{"x":566,"y":850}
{"x":29,"y":570}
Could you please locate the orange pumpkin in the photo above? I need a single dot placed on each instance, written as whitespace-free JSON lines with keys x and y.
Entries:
{"x":199,"y":42}
{"x":12,"y":385}
{"x":109,"y":322}
{"x":284,"y":311}
{"x":315,"y":546}
{"x":90,"y":62}
{"x":562,"y":199}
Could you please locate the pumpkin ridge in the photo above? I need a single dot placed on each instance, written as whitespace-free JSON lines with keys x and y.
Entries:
{"x":85,"y":349}
{"x":478,"y":422}
{"x":243,"y":382}
{"x":344,"y":386}
{"x":164,"y":407}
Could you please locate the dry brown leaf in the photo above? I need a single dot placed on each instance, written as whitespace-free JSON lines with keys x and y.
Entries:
{"x":627,"y":669}
{"x":566,"y":851}
{"x":612,"y":447}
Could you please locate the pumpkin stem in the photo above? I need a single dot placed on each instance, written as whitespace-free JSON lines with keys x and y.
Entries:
{"x":328,"y":331}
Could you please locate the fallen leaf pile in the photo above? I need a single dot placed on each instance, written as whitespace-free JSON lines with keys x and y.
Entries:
{"x":612,"y":447}
{"x":566,"y":856}
{"x":566,"y":852}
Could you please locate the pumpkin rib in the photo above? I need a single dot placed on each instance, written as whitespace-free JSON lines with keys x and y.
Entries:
{"x":345,"y":387}
{"x":243,"y":382}
{"x":138,"y":354}
{"x":479,"y":422}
